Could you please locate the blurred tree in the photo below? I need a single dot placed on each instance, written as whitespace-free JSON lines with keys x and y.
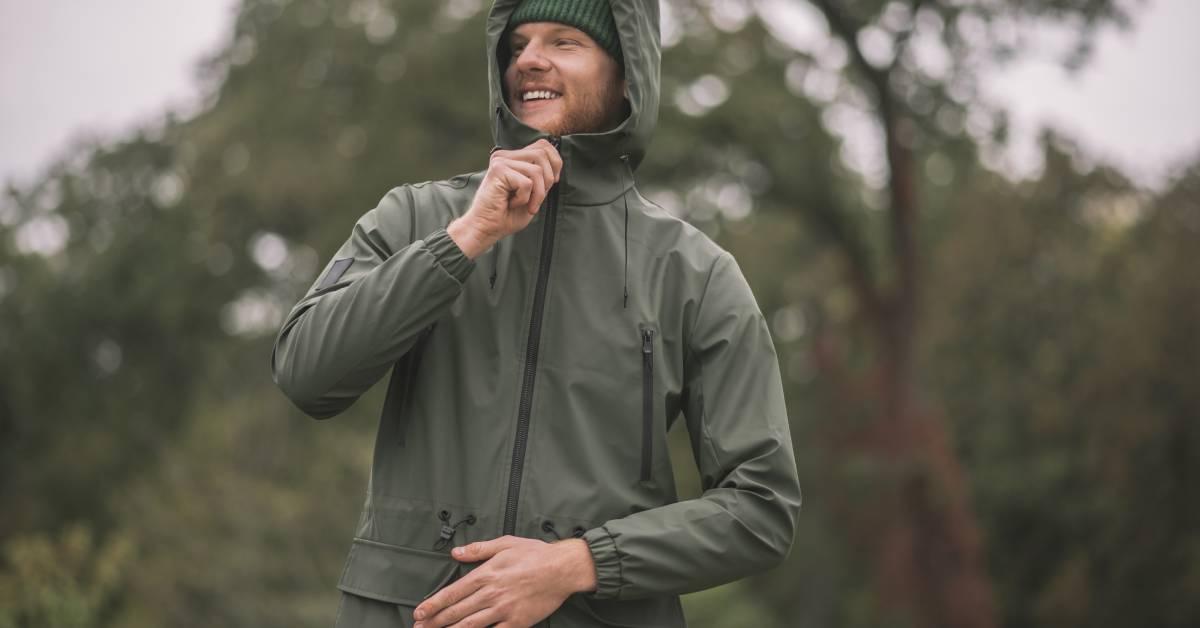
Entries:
{"x":96,"y":327}
{"x":912,"y":65}
{"x":141,"y":284}
{"x":1059,"y":343}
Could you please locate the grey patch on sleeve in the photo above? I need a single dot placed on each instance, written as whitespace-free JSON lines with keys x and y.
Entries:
{"x":336,"y":271}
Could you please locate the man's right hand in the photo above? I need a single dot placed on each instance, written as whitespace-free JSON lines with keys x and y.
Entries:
{"x":513,"y":189}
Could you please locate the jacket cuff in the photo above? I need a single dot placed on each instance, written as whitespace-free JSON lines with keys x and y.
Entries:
{"x":448,"y":255}
{"x":608,"y":563}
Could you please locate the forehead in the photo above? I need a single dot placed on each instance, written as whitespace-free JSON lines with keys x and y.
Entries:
{"x":529,"y":30}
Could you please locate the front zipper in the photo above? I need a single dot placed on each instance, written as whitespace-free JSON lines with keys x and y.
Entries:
{"x":550,"y":207}
{"x":647,"y":402}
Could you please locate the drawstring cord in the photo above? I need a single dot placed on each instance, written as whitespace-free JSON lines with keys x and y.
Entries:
{"x":447,"y":533}
{"x":548,"y":526}
{"x":624,"y":190}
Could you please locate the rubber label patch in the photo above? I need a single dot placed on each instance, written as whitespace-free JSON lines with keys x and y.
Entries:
{"x":336,"y":271}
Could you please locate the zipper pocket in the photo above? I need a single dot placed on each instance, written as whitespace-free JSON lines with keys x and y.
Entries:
{"x":647,"y":402}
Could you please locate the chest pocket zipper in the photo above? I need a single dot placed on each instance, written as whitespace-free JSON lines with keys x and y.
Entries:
{"x":647,"y":402}
{"x":400,"y":388}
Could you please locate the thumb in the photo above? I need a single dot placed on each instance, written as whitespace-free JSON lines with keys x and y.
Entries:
{"x":481,"y":550}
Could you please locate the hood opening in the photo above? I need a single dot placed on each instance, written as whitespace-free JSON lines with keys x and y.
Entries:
{"x":637,"y":24}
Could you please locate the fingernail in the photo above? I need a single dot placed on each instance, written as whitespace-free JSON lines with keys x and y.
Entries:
{"x":458,"y":551}
{"x":418,"y":625}
{"x":420,"y":614}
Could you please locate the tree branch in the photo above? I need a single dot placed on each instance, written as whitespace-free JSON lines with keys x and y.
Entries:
{"x":895,"y":333}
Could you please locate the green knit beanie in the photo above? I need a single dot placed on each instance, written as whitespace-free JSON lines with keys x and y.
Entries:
{"x":593,"y":17}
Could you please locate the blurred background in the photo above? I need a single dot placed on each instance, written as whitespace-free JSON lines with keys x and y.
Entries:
{"x":971,"y":224}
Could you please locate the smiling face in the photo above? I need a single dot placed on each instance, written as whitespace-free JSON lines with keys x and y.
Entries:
{"x":560,"y":81}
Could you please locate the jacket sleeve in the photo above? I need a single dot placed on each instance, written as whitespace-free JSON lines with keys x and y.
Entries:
{"x":367,"y":308}
{"x":745,"y":519}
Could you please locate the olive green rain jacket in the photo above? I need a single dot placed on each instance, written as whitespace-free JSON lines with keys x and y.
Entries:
{"x":532,"y":396}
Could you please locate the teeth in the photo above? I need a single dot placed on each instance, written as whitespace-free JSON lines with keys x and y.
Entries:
{"x":540,"y":94}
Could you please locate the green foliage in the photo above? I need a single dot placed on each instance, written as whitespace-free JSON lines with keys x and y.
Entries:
{"x":150,"y":473}
{"x":68,"y":582}
{"x":1061,"y":350}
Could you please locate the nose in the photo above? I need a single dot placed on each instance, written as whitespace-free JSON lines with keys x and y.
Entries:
{"x":531,"y":58}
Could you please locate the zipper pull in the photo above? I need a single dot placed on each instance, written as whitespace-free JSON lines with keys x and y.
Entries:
{"x":647,"y":336}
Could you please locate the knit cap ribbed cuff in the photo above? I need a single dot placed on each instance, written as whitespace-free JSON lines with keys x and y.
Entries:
{"x":593,"y":17}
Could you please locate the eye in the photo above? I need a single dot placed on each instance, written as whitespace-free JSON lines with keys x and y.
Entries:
{"x":566,"y":43}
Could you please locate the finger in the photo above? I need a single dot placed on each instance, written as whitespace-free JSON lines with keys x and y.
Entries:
{"x":518,"y":185}
{"x":556,"y":162}
{"x":531,"y":169}
{"x":536,"y":195}
{"x":446,"y":597}
{"x":479,"y":619}
{"x":482,"y":550}
{"x":542,"y":154}
{"x":538,"y":184}
{"x":467,"y":607}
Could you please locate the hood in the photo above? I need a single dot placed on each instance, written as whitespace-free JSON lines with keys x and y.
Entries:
{"x":592,"y":160}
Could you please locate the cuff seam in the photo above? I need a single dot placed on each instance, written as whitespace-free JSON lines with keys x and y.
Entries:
{"x":610,"y":577}
{"x":448,"y":255}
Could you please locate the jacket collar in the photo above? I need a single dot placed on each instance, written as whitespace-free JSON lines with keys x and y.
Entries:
{"x":596,"y":167}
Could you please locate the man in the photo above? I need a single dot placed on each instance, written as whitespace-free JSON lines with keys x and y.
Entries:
{"x":520,"y":470}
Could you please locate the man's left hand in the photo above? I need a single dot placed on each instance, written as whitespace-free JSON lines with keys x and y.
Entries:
{"x":522,"y":582}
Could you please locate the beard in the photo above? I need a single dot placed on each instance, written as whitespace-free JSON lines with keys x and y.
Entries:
{"x":594,"y":111}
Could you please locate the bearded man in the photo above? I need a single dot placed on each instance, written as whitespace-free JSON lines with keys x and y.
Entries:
{"x":520,"y":474}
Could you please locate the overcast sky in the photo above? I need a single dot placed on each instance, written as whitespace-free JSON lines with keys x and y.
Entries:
{"x":69,"y":67}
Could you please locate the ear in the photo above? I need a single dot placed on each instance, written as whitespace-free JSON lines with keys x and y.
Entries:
{"x":625,"y":88}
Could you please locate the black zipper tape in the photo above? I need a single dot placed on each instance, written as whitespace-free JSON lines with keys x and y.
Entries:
{"x":550,"y":209}
{"x":647,"y":402}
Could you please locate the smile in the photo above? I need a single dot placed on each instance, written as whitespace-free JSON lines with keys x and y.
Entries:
{"x":540,"y":94}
